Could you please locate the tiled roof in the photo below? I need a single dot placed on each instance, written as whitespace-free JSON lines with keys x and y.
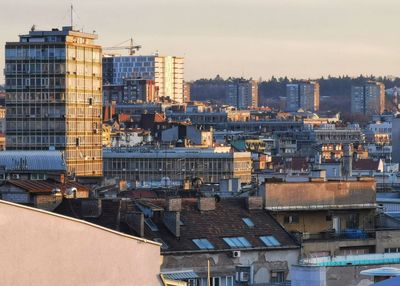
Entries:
{"x":225,"y":221}
{"x":44,"y":186}
{"x":32,"y":160}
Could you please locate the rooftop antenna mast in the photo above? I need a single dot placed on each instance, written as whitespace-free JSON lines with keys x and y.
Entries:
{"x":72,"y":15}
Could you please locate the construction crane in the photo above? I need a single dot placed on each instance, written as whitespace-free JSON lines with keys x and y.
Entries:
{"x":132,"y":48}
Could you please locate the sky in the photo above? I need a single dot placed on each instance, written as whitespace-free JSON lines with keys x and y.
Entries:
{"x":249,"y":38}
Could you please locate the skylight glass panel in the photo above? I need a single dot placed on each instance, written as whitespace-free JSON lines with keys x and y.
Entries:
{"x":151,"y":224}
{"x":248,"y":222}
{"x":203,"y":243}
{"x":237,"y":242}
{"x":270,"y":240}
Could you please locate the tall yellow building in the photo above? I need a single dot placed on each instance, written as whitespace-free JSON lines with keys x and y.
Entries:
{"x":54,"y":96}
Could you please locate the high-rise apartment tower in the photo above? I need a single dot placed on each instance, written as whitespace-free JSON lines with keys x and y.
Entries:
{"x":54,"y":91}
{"x":302,"y":95}
{"x":368,"y":99}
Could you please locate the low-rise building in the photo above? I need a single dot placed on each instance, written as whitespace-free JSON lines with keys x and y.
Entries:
{"x":241,"y":241}
{"x":31,"y":165}
{"x":174,"y":165}
{"x":329,"y":217}
{"x":341,"y":270}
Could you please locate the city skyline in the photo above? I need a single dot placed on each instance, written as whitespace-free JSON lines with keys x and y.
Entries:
{"x":230,"y":39}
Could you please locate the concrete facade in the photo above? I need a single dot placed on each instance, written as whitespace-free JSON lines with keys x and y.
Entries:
{"x":261,"y":264}
{"x":41,"y":248}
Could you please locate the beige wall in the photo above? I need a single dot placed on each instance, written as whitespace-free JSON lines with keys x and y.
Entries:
{"x":316,"y":221}
{"x":40,"y":248}
{"x":311,"y":194}
{"x":387,"y":239}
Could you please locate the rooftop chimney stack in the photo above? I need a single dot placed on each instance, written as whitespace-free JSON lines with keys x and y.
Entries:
{"x":206,"y":204}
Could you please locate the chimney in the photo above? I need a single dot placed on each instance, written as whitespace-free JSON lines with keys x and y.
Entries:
{"x":135,"y":220}
{"x":347,"y":161}
{"x":254,"y":203}
{"x":91,"y":208}
{"x":174,"y":204}
{"x":172,"y":221}
{"x":206,"y":204}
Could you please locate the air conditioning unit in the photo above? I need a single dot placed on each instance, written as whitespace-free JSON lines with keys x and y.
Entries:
{"x":236,"y":253}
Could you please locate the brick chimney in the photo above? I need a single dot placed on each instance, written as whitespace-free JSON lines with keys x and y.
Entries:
{"x":91,"y":208}
{"x":172,"y":221}
{"x":135,"y":220}
{"x":174,"y":204}
{"x":254,"y":203}
{"x":206,"y":204}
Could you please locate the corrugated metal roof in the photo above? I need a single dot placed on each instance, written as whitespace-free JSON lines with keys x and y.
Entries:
{"x":180,"y":275}
{"x":32,"y":160}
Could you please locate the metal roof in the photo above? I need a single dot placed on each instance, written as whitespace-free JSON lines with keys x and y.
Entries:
{"x":32,"y":160}
{"x":180,"y":275}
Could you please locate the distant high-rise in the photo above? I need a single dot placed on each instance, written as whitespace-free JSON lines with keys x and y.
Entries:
{"x":54,"y":100}
{"x":302,"y":95}
{"x":242,"y":93}
{"x":165,"y":71}
{"x":368,"y":98}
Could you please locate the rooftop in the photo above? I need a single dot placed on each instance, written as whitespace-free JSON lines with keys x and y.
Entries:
{"x":32,"y":161}
{"x":35,"y":187}
{"x":361,"y":259}
{"x":221,"y":229}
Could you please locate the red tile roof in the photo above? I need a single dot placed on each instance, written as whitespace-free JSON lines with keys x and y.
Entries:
{"x":44,"y":186}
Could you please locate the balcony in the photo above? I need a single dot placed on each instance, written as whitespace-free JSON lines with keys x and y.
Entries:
{"x":347,"y":234}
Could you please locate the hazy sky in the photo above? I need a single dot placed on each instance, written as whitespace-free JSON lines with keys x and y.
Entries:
{"x":251,"y":38}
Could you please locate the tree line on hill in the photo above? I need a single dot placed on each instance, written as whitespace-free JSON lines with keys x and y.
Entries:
{"x":334,"y":91}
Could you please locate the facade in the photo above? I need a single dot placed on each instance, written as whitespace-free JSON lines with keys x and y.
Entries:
{"x":166,"y":72}
{"x":242,"y":94}
{"x":54,"y":100}
{"x":302,"y":96}
{"x":396,"y":140}
{"x":43,"y":248}
{"x":175,"y":165}
{"x":139,"y":90}
{"x":368,"y":99}
{"x":329,"y":217}
{"x":189,"y":133}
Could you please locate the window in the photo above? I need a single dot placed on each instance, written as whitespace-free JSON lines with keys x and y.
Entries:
{"x":392,"y":250}
{"x":270,"y":240}
{"x":237,"y":242}
{"x":248,"y":222}
{"x":203,"y":243}
{"x":277,"y":276}
{"x":215,"y":281}
{"x":293,"y":219}
{"x":150,"y":223}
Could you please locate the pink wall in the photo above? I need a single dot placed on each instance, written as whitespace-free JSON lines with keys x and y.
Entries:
{"x":40,"y":248}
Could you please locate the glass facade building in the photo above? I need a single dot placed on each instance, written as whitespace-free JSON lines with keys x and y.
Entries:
{"x":165,"y":71}
{"x":54,"y":97}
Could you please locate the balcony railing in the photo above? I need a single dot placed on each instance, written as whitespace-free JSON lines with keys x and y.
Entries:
{"x":348,"y":234}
